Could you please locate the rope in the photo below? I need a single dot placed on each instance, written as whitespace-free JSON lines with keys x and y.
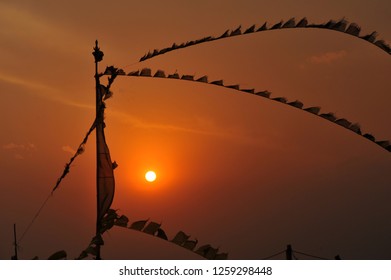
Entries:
{"x":314,"y":110}
{"x":79,"y":151}
{"x":129,"y":65}
{"x":341,"y":26}
{"x":35,"y":217}
{"x":308,"y":255}
{"x":272,"y":256}
{"x":294,"y":256}
{"x":65,"y":172}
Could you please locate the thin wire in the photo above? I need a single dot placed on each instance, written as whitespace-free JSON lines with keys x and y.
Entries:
{"x":129,"y":65}
{"x":308,"y":255}
{"x":276,"y":254}
{"x":35,"y":217}
{"x":65,"y":172}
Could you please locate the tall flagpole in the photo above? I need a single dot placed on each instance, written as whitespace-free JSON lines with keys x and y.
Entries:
{"x":98,"y":55}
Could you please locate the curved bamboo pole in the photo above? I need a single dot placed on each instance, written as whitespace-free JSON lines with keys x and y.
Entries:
{"x":342,"y":25}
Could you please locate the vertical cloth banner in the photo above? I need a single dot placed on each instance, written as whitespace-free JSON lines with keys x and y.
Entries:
{"x":105,"y":167}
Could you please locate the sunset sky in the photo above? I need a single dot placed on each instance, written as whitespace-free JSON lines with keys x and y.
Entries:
{"x":234,"y":170}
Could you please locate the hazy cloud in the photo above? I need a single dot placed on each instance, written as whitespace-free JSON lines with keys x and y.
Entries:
{"x":41,"y":90}
{"x":203,"y":126}
{"x":68,"y":149}
{"x":18,"y":156}
{"x":23,"y":25}
{"x":19,"y":150}
{"x":19,"y":147}
{"x":328,"y":57}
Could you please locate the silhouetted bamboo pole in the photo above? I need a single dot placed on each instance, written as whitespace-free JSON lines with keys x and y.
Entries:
{"x":98,"y":55}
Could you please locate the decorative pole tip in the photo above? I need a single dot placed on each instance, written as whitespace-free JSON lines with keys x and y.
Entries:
{"x":98,"y":54}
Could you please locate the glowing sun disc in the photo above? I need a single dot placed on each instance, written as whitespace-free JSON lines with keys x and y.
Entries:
{"x":150,"y":176}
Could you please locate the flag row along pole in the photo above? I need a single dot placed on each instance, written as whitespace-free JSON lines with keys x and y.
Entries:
{"x":105,"y":181}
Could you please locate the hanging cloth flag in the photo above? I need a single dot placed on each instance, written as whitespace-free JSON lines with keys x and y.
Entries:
{"x":105,"y":174}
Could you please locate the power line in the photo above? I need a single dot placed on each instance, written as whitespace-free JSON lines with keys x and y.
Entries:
{"x":309,"y":255}
{"x":290,"y":254}
{"x":276,"y":254}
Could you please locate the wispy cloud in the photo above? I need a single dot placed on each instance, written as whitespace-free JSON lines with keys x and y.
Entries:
{"x":29,"y":27}
{"x":18,"y":156}
{"x":327,"y":58}
{"x":19,"y":151}
{"x":201,"y":126}
{"x":41,"y":90}
{"x":14,"y":146}
{"x":68,"y":149}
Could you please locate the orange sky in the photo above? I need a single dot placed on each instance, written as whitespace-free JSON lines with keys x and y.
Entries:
{"x":234,"y":170}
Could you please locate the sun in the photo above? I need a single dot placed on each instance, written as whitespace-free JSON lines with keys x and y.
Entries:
{"x":150,"y":176}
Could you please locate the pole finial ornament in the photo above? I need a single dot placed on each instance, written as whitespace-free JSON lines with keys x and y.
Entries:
{"x":98,"y":54}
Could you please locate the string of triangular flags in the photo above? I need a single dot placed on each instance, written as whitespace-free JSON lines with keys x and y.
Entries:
{"x":105,"y":93}
{"x":314,"y":110}
{"x":342,"y":25}
{"x":151,"y":228}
